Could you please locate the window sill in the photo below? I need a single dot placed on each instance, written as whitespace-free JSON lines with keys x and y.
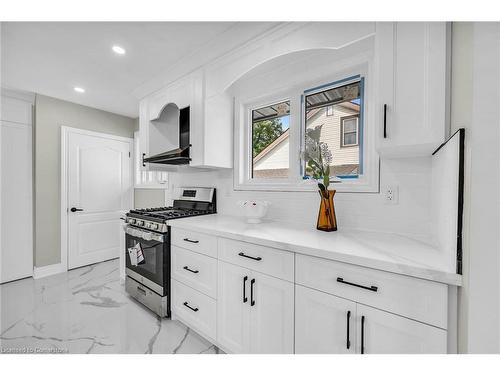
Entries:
{"x":346,"y":186}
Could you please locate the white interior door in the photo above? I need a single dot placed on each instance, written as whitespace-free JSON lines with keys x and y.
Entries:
{"x":99,"y":184}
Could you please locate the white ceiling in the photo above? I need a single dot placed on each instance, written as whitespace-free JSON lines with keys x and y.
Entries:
{"x":51,"y":58}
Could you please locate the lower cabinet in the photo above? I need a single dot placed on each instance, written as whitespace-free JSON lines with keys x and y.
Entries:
{"x":329,"y":324}
{"x":255,"y":311}
{"x":381,"y":332}
{"x":324,"y":323}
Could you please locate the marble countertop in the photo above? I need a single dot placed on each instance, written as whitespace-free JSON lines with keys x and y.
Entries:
{"x":383,"y":251}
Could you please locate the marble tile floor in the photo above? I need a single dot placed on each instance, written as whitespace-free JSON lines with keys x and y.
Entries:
{"x":87,"y":310}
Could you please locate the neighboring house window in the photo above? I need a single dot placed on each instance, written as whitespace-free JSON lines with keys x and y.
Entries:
{"x":147,"y":179}
{"x":340,"y":130}
{"x":349,"y":131}
{"x":270,"y":156}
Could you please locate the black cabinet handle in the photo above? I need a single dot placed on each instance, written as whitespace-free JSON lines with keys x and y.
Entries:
{"x":189,"y":307}
{"x":143,"y":162}
{"x":74,"y":209}
{"x":192,"y":241}
{"x":385,"y":120}
{"x":370,"y":288}
{"x":190,"y":270}
{"x":249,"y":257}
{"x":252,"y":301}
{"x":362,"y":334}
{"x":348,"y":341}
{"x":245,"y":299}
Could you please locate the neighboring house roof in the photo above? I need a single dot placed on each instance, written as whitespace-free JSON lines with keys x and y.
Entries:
{"x":272,"y":146}
{"x":286,"y":134}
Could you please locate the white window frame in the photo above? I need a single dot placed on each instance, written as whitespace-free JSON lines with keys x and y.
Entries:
{"x":367,"y":182}
{"x":147,"y":179}
{"x":342,"y":132}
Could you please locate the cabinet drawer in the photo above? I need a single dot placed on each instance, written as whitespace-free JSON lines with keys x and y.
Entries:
{"x":195,"y":270}
{"x":414,"y":298}
{"x":269,"y":261}
{"x":199,"y":242}
{"x":194,"y":308}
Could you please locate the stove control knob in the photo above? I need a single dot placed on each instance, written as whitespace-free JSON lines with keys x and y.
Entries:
{"x":131,"y":221}
{"x":140,"y":223}
{"x":153,"y":226}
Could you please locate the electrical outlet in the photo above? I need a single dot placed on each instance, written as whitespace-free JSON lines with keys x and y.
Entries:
{"x":391,"y":194}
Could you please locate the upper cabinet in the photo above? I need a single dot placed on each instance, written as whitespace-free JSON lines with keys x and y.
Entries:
{"x":413,"y":66}
{"x":180,"y":121}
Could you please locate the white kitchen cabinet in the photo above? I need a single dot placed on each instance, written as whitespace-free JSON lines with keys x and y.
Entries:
{"x":233,"y":322}
{"x":255,"y":311}
{"x":380,"y":332}
{"x":413,"y":70}
{"x":210,"y":125}
{"x":16,"y":186}
{"x":324,"y":324}
{"x":271,"y":315}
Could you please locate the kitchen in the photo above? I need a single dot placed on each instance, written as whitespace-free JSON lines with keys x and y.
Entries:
{"x":260,"y":188}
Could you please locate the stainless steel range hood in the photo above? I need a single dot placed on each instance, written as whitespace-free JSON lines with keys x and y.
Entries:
{"x":178,"y":156}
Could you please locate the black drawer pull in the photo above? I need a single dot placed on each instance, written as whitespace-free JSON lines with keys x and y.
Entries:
{"x":245,"y":299}
{"x":363,"y":334}
{"x":252,"y":301}
{"x":385,"y":120}
{"x":248,"y":256}
{"x":348,"y":342}
{"x":192,"y":241}
{"x":189,"y":307}
{"x":190,"y":270}
{"x":371,"y":288}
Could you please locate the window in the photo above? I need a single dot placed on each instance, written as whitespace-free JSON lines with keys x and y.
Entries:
{"x":271,"y":136}
{"x":147,"y":179}
{"x":349,"y":131}
{"x":339,"y":132}
{"x":270,"y":155}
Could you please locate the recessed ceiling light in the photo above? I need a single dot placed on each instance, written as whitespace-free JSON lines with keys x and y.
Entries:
{"x":79,"y":89}
{"x":119,"y":50}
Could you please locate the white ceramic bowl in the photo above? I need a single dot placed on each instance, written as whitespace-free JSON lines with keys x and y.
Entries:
{"x":254,"y":211}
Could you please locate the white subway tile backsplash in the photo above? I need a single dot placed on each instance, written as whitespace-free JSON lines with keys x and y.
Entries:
{"x":366,"y":211}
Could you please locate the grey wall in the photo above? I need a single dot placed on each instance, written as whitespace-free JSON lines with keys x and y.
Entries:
{"x":50,"y":115}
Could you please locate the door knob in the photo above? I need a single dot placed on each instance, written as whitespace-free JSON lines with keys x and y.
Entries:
{"x":74,"y":209}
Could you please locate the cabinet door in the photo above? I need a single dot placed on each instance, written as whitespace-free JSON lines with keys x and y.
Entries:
{"x":412,"y":81}
{"x":271,"y":315}
{"x":380,"y":332}
{"x":232,"y":311}
{"x":324,"y":324}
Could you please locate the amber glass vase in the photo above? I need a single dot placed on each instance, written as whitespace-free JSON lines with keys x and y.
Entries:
{"x":327,"y":220}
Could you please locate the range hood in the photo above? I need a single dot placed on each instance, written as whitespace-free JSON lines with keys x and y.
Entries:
{"x":180,"y":155}
{"x":176,"y":157}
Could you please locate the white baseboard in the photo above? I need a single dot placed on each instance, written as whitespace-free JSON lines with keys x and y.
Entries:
{"x":52,"y":269}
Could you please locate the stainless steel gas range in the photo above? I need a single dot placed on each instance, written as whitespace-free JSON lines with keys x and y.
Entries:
{"x":147,"y":246}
